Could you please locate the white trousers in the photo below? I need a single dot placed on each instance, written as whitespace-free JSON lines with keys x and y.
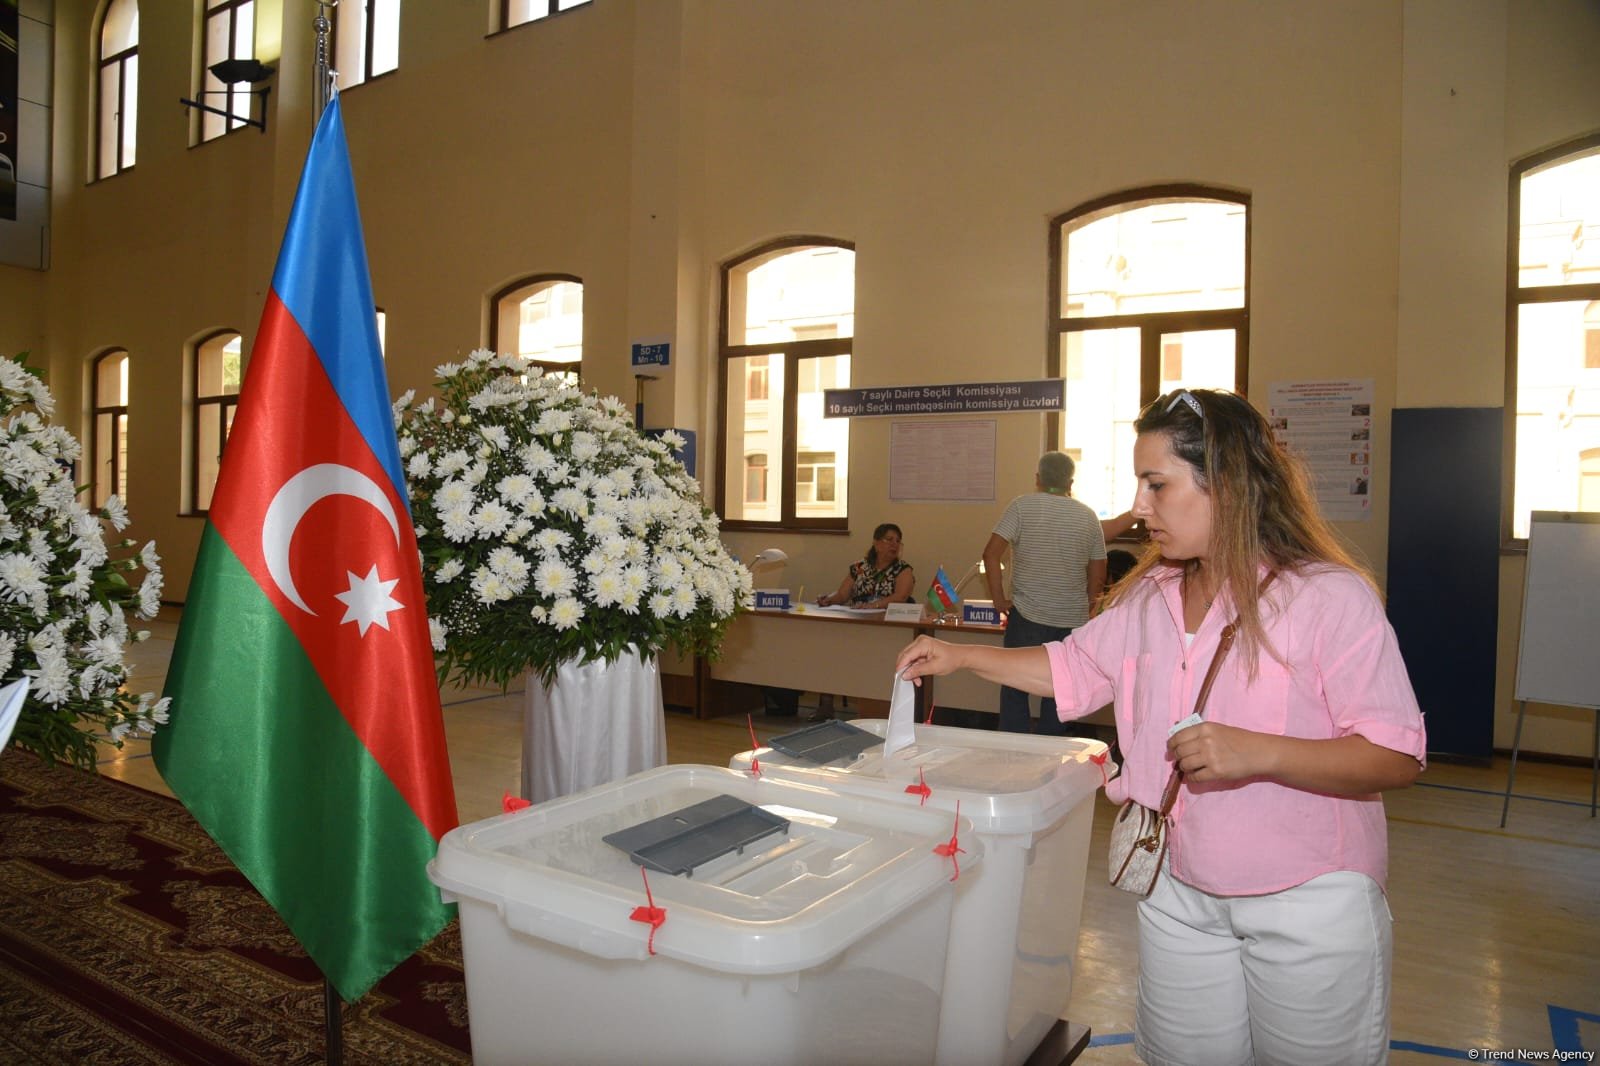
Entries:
{"x":1295,"y":978}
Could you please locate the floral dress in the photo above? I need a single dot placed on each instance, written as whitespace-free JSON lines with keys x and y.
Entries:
{"x":869,"y":583}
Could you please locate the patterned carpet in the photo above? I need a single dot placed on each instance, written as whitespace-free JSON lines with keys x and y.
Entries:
{"x":127,"y":937}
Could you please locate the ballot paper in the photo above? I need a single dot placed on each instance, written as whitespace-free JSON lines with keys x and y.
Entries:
{"x":902,"y":730}
{"x":1178,"y":727}
{"x":12,"y":697}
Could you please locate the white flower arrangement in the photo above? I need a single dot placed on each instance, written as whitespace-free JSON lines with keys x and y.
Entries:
{"x":552,"y":530}
{"x":63,"y":597}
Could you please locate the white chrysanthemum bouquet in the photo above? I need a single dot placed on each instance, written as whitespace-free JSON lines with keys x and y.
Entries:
{"x":552,"y":530}
{"x":62,"y":595}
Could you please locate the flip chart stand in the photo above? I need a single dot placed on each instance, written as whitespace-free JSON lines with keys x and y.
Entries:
{"x":1560,"y":616}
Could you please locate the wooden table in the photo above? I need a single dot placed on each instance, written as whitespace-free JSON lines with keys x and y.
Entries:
{"x":830,"y":654}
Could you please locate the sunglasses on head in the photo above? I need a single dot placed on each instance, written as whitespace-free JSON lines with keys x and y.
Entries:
{"x":1185,"y":396}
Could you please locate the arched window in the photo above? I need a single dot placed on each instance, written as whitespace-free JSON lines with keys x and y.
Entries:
{"x":1553,"y":326}
{"x":118,"y":102}
{"x":229,"y":33}
{"x":108,"y":434}
{"x":541,"y":318}
{"x":1149,"y":292}
{"x":788,"y":328}
{"x":214,"y":399}
{"x":516,"y":12}
{"x":366,"y":39}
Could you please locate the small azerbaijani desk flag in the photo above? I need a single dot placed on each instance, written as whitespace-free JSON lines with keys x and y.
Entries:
{"x":941,"y":594}
{"x":306,"y":733}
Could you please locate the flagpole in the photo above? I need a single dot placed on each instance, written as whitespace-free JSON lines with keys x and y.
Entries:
{"x":323,"y":73}
{"x":322,"y":91}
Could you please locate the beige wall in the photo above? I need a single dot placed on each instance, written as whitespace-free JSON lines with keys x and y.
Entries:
{"x":640,"y":144}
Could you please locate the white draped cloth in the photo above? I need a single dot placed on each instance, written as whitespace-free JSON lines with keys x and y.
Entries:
{"x":596,"y":722}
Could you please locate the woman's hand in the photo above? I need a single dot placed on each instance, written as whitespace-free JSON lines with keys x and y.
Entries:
{"x":1211,"y":751}
{"x":824,"y":600}
{"x":927,"y":657}
{"x":1341,"y":766}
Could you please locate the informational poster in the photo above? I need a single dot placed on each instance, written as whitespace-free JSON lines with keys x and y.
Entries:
{"x":943,"y":462}
{"x":1329,"y":425}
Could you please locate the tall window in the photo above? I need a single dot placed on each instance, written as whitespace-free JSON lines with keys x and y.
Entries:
{"x":1553,"y":326}
{"x":1149,"y":292}
{"x":541,"y":319}
{"x":230,"y":33}
{"x":366,"y":39}
{"x":108,"y":444}
{"x":516,"y":12}
{"x":217,"y":373}
{"x":119,"y":87}
{"x":788,"y":323}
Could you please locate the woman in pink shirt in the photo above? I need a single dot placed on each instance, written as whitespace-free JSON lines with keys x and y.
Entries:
{"x":1267,"y":937}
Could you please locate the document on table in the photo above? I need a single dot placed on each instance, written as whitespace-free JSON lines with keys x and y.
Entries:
{"x":902,"y":729}
{"x":844,"y":612}
{"x":12,"y":697}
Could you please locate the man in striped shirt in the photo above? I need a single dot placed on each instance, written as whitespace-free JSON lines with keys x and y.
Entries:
{"x":1058,"y":568}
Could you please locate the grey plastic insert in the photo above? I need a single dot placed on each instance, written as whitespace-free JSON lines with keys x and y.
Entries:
{"x":676,"y":843}
{"x":825,"y":742}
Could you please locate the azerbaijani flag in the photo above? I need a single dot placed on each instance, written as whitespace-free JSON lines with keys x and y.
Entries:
{"x":941,"y":594}
{"x":306,"y":733}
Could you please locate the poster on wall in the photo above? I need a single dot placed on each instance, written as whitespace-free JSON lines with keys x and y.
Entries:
{"x":9,"y":67}
{"x":942,"y":462}
{"x":1329,"y":425}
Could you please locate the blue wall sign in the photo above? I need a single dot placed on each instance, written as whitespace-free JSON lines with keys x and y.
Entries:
{"x":652,"y":354}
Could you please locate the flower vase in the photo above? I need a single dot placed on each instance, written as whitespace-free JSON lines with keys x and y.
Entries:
{"x":595,"y":722}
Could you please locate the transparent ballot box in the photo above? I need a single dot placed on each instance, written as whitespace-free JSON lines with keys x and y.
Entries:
{"x":798,"y":924}
{"x":1014,"y":930}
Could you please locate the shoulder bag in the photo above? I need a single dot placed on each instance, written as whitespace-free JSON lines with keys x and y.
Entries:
{"x":1139,"y":835}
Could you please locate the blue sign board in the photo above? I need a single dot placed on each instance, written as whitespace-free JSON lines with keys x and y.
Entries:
{"x":772,"y":599}
{"x":981,"y":397}
{"x":652,"y":354}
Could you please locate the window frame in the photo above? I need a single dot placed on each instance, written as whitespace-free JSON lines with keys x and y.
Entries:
{"x":1517,"y":297}
{"x":119,"y":420}
{"x":223,"y":404}
{"x":120,"y":60}
{"x":1152,"y":326}
{"x":213,"y":9}
{"x":368,"y":43}
{"x":794,"y":351}
{"x":552,"y":10}
{"x":493,"y":331}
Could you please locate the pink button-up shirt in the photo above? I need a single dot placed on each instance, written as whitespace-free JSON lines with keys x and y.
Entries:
{"x":1341,"y":673}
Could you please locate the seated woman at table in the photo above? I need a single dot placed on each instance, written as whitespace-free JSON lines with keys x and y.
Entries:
{"x":878,"y":580}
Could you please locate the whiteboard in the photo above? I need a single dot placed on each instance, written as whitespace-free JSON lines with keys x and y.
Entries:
{"x":1558,"y":660}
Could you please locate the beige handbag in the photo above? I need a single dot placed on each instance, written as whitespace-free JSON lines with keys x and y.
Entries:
{"x":1139,"y":835}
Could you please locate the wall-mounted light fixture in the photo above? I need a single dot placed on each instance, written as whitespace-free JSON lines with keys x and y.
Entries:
{"x":237,"y":72}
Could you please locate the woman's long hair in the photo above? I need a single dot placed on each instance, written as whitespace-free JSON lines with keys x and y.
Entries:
{"x":877,"y":535}
{"x":1263,"y":510}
